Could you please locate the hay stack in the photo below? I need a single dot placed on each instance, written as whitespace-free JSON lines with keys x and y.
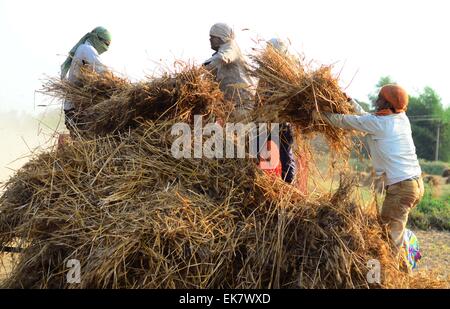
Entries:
{"x":446,"y":173}
{"x":290,"y":91}
{"x":106,"y":104}
{"x":136,"y":217}
{"x":432,"y":179}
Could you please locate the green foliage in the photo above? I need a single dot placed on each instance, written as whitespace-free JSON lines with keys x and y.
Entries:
{"x":360,"y":164}
{"x":433,"y":167}
{"x":444,"y":145}
{"x":426,"y":114}
{"x":431,"y":213}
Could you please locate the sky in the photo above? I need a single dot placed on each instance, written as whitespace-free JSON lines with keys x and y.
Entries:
{"x":364,"y":39}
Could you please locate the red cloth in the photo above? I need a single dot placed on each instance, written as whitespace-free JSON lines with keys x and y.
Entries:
{"x":272,"y":166}
{"x":396,"y":96}
{"x":302,"y":173}
{"x":63,"y":139}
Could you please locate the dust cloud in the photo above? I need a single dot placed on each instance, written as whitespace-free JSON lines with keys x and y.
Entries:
{"x":23,"y":134}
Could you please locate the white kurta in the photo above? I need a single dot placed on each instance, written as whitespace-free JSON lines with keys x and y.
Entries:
{"x":232,"y":73}
{"x":85,"y":54}
{"x":390,"y":142}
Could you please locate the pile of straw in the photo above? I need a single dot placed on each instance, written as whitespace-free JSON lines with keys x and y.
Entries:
{"x":290,"y":91}
{"x":136,"y":217}
{"x":106,"y":104}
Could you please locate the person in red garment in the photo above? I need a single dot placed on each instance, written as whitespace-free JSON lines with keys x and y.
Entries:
{"x":292,"y":170}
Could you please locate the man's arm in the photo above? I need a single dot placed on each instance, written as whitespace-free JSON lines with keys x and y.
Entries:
{"x":366,"y":123}
{"x":358,"y":109}
{"x":212,"y":63}
{"x":228,"y":54}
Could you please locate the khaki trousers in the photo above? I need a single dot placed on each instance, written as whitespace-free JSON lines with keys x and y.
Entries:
{"x":400,"y":199}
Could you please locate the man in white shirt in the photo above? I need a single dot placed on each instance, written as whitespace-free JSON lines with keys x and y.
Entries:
{"x":85,"y":52}
{"x":393,"y":154}
{"x":230,"y":68}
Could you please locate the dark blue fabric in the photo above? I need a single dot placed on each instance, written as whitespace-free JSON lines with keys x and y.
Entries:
{"x":288,"y":164}
{"x":70,"y":120}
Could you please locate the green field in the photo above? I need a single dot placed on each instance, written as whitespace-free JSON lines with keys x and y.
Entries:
{"x":433,"y":211}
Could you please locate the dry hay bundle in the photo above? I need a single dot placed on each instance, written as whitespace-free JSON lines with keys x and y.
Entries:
{"x":106,"y":104}
{"x":446,"y":173}
{"x":116,"y":192}
{"x":289,"y":91}
{"x":432,"y":180}
{"x":91,"y":89}
{"x":136,"y":217}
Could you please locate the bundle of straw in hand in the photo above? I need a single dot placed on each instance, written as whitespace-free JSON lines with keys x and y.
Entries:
{"x":106,"y":104}
{"x":289,"y":91}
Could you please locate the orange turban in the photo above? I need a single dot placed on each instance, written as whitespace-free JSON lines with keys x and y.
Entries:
{"x":396,"y":96}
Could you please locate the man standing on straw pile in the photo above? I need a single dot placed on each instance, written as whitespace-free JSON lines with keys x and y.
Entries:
{"x":230,"y":69}
{"x":85,"y":52}
{"x":393,"y":154}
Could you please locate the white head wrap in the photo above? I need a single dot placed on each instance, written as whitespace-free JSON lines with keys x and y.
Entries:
{"x":278,"y":44}
{"x":222,"y":31}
